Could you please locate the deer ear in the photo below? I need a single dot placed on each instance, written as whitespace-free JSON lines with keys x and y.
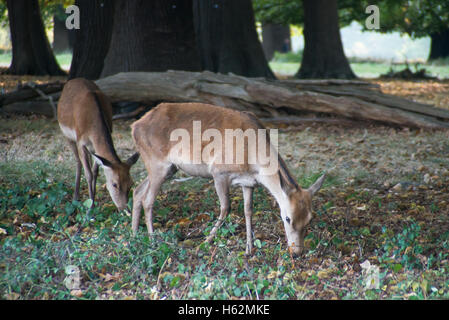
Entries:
{"x":317,"y":185}
{"x":286,"y":185}
{"x":101,"y":161}
{"x":133,"y":159}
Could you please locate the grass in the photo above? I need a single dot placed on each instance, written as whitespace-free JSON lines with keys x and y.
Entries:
{"x":47,"y":240}
{"x":64,"y":59}
{"x":288,"y":65}
{"x":365,"y":69}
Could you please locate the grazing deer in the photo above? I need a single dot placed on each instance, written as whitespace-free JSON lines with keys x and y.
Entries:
{"x":85,"y":118}
{"x":154,"y":139}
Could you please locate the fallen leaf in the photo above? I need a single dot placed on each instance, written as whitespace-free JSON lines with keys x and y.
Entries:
{"x":77,"y":293}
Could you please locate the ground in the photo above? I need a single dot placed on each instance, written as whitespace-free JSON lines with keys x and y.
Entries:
{"x":384,"y":203}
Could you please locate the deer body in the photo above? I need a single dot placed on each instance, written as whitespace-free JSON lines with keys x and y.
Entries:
{"x":152,"y":136}
{"x":85,"y":119}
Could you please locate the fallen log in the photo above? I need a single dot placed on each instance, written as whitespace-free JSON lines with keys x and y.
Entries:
{"x":29,"y":91}
{"x":268,"y":98}
{"x":350,"y":99}
{"x":41,"y":107}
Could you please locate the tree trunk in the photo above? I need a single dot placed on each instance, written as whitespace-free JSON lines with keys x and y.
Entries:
{"x":439,"y":45}
{"x":276,"y":37}
{"x":227,"y":38}
{"x":60,"y":36}
{"x":93,"y":38}
{"x":31,"y":51}
{"x":62,"y":41}
{"x":155,"y":35}
{"x":323,"y":56}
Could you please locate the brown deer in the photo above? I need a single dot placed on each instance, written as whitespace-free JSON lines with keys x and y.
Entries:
{"x":85,"y":118}
{"x":156,"y":136}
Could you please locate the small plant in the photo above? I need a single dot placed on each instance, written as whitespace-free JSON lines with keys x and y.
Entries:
{"x":403,"y":248}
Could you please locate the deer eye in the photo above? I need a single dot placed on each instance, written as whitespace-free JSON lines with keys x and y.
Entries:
{"x":287,"y":219}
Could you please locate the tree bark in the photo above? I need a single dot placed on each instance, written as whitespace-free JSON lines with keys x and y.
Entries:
{"x":275,"y":37}
{"x":267,"y":99}
{"x":155,"y":35}
{"x":323,"y":56}
{"x":439,"y":45}
{"x":31,"y":51}
{"x":63,"y":38}
{"x":227,"y":38}
{"x":93,"y":39}
{"x":350,"y":99}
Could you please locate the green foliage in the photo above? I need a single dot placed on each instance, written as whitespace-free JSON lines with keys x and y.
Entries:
{"x":415,"y":17}
{"x":279,"y":11}
{"x":402,"y":249}
{"x":49,"y":8}
{"x":290,"y":12}
{"x":42,"y":232}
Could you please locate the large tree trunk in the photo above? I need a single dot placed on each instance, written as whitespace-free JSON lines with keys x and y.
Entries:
{"x":93,"y":38}
{"x":155,"y":35}
{"x":227,"y":38}
{"x":63,"y":38}
{"x":275,"y":37}
{"x":31,"y":51}
{"x":439,"y":45}
{"x":323,"y":56}
{"x":60,"y":35}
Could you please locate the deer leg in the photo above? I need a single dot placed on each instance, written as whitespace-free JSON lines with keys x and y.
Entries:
{"x":85,"y":161}
{"x":138,"y":198}
{"x":155,"y":182}
{"x":222,"y":188}
{"x":248,"y":208}
{"x":94,"y":178}
{"x":76,"y":193}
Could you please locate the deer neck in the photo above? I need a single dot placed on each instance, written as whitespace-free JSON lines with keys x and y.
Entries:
{"x":104,"y":146}
{"x":271,"y":183}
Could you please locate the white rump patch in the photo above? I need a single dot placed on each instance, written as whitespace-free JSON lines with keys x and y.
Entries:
{"x":68,"y":132}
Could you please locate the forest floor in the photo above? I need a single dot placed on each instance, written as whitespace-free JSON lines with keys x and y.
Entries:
{"x":380,"y":228}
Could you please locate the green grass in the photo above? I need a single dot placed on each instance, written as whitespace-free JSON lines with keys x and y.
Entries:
{"x":285,"y":65}
{"x":64,"y":59}
{"x":43,"y":233}
{"x":5,"y":58}
{"x":365,"y":69}
{"x":356,"y":218}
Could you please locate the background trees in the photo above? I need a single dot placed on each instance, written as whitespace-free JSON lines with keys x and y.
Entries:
{"x":93,"y":39}
{"x":323,"y":50}
{"x":413,"y":17}
{"x":153,"y":35}
{"x":215,"y":35}
{"x":31,"y":51}
{"x":227,"y":38}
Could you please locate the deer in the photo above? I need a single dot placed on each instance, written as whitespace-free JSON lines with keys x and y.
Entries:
{"x":85,"y":119}
{"x":161,"y":153}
